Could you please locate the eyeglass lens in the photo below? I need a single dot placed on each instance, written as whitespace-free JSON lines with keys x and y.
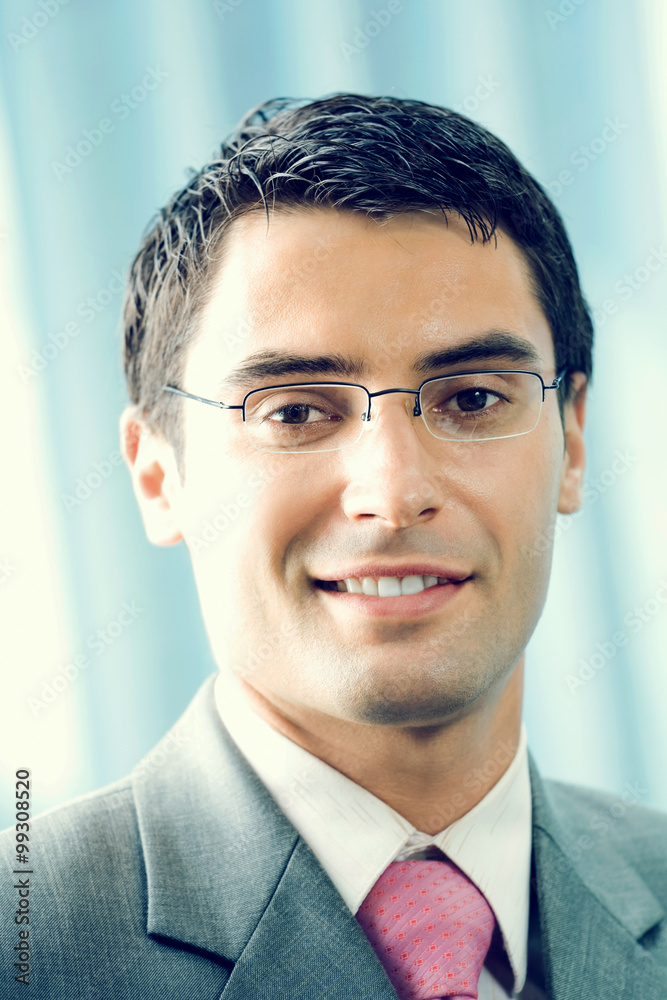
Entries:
{"x":318,"y":417}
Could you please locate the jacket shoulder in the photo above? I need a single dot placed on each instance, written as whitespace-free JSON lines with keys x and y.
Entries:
{"x":99,"y":826}
{"x":626,"y":812}
{"x":617,"y":826}
{"x":81,"y":851}
{"x":82,"y":903}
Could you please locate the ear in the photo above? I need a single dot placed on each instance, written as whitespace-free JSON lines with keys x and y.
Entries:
{"x":155,"y":478}
{"x":570,"y":496}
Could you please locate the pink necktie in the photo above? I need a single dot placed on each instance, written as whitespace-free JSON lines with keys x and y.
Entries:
{"x":430,"y":927}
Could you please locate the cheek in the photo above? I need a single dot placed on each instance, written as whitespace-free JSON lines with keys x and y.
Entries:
{"x":531,"y":500}
{"x":216,"y":506}
{"x":513,"y":490}
{"x":241,"y":508}
{"x":286,"y":515}
{"x":240,"y":548}
{"x":221,"y":486}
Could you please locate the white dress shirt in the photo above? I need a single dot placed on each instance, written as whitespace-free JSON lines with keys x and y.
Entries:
{"x":356,"y":835}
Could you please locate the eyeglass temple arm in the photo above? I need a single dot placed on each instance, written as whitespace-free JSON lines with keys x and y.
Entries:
{"x":190,"y":395}
{"x":557,"y":381}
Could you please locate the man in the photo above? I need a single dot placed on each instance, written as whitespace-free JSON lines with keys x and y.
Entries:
{"x":357,"y":352}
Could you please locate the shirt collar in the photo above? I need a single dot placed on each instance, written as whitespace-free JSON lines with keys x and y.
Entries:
{"x":356,"y":835}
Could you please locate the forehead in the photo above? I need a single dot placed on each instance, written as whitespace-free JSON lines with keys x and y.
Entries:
{"x":320,"y":281}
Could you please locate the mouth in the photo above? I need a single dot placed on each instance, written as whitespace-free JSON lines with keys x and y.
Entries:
{"x":406,"y":596}
{"x":385,"y":586}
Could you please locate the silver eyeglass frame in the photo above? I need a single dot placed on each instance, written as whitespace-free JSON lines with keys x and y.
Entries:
{"x":417,"y":411}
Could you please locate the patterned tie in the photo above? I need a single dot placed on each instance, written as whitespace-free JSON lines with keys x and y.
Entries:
{"x":430,"y":927}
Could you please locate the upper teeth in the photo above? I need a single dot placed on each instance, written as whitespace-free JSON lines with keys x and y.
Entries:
{"x":389,"y":586}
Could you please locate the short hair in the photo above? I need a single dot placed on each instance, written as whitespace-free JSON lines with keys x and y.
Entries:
{"x":380,"y":156}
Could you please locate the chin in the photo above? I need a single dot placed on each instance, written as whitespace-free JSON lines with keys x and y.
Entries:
{"x":394,"y":705}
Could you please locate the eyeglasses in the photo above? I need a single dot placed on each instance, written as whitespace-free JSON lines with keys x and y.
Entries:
{"x":327,"y":416}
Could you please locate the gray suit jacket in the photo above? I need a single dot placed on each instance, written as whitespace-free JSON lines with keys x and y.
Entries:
{"x":187,"y":880}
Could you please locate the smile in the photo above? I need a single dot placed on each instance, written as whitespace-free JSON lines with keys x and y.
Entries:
{"x":384,"y":586}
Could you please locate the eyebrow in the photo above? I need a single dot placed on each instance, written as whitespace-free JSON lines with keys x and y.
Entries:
{"x":490,"y":346}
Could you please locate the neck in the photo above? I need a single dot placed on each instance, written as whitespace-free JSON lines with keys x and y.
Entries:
{"x":430,"y":775}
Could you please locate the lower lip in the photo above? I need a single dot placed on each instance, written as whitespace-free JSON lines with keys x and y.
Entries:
{"x":409,"y":606}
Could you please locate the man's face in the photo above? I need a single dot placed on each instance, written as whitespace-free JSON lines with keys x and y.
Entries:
{"x":263,"y":528}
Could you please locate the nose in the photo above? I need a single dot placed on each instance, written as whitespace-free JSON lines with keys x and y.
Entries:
{"x":394,"y":471}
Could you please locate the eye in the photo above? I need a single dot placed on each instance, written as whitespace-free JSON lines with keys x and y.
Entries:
{"x":297,"y":413}
{"x":295,"y":407}
{"x":475,"y":399}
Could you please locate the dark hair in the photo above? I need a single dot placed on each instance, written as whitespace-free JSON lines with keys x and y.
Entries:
{"x":376,"y":155}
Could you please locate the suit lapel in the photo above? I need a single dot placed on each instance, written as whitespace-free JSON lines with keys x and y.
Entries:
{"x":228,"y":874}
{"x":308,"y":944}
{"x":593,"y":909}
